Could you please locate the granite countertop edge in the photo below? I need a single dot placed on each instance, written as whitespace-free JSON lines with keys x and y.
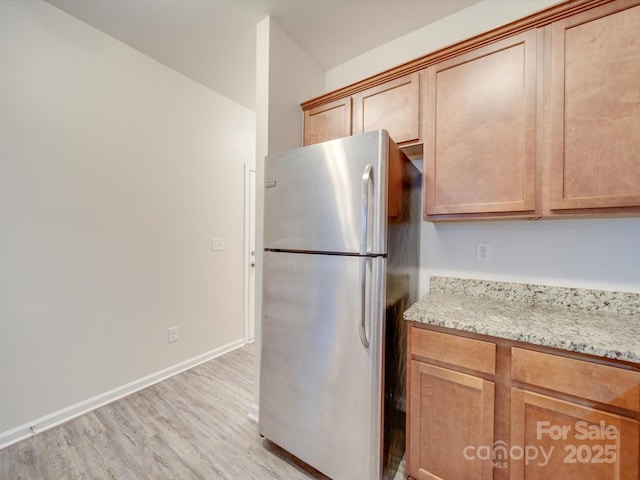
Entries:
{"x":604,"y":334}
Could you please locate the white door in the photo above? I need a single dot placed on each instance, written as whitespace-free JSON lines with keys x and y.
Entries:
{"x":250,"y":253}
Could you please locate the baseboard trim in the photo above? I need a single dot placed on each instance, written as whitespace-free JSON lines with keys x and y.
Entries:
{"x":54,"y":419}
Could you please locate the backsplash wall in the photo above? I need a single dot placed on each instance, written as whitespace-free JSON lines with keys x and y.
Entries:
{"x":592,"y":253}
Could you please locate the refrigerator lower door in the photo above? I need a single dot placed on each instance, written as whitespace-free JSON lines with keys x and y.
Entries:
{"x":320,"y":387}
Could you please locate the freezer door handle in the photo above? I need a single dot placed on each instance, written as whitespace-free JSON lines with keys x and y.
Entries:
{"x":363,"y":317}
{"x":367,"y":181}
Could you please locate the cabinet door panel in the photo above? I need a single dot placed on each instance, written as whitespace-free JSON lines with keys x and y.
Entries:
{"x":570,"y":442}
{"x":393,"y":106}
{"x":595,"y":109}
{"x":449,"y":411}
{"x":480,"y":140}
{"x":327,"y":122}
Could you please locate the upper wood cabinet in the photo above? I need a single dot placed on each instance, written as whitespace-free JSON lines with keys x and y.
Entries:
{"x":393,"y":106}
{"x":327,"y":122}
{"x":480,"y":140}
{"x":594,"y":103}
{"x":537,"y":118}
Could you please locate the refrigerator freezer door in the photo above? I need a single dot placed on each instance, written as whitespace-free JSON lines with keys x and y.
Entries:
{"x":320,"y":388}
{"x":315,"y":196}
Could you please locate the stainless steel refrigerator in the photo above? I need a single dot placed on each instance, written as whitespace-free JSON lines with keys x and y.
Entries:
{"x":341,"y":238}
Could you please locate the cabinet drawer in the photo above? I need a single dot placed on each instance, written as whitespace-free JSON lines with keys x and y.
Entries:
{"x":460,"y":351}
{"x":600,"y":383}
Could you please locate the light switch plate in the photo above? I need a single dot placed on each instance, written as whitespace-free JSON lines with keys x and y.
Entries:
{"x":217,"y":244}
{"x":173,"y":334}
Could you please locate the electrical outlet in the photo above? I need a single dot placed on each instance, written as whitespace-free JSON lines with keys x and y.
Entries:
{"x":483,"y":252}
{"x":217,"y":244}
{"x":173,"y":334}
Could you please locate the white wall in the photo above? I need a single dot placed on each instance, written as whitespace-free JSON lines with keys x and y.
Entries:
{"x":115,"y":172}
{"x":292,"y":78}
{"x":474,"y":20}
{"x":286,"y":77}
{"x":592,"y":253}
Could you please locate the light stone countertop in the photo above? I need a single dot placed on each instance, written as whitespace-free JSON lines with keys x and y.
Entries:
{"x":606,"y":324}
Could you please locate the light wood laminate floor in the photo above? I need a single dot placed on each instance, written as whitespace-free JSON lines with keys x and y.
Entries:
{"x":191,"y":426}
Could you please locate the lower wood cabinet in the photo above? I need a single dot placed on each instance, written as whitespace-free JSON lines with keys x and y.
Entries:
{"x":488,"y":408}
{"x":575,"y":417}
{"x":562,"y":439}
{"x":451,"y":405}
{"x":454,"y":410}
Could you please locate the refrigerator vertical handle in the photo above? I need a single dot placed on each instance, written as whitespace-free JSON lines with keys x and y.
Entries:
{"x":367,"y":183}
{"x":363,"y":317}
{"x":367,"y":180}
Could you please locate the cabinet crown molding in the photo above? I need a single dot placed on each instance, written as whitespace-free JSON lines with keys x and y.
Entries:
{"x":535,"y":20}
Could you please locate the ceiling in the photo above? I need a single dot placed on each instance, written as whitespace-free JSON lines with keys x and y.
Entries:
{"x":214,"y":41}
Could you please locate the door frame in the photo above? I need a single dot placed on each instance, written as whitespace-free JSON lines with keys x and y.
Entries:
{"x":249,"y":231}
